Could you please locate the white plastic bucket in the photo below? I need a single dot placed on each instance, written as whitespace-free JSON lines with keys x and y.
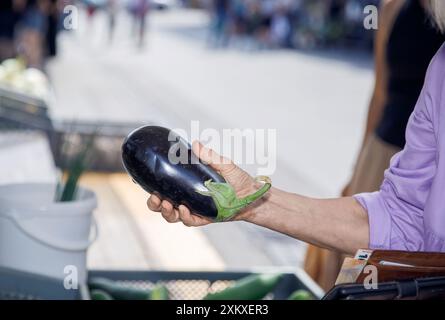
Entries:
{"x":45,"y":237}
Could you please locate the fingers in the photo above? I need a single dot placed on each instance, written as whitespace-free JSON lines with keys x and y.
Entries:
{"x":212,"y":158}
{"x":189,"y":219}
{"x":154,"y":203}
{"x":168,"y":212}
{"x":185,"y":216}
{"x":173,"y":215}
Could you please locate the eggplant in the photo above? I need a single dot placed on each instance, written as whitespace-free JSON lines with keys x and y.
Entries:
{"x":163,"y":163}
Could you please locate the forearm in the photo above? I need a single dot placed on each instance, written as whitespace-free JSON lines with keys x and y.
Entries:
{"x":340,"y":224}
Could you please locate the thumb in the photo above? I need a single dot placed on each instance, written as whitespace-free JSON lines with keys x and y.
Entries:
{"x":211,"y":157}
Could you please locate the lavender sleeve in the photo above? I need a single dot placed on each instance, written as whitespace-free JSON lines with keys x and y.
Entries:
{"x":396,"y":212}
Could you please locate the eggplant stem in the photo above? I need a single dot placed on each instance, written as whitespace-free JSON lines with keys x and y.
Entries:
{"x":226,"y":201}
{"x":260,"y":192}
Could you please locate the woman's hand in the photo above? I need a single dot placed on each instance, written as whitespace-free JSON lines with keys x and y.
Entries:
{"x":240,"y":180}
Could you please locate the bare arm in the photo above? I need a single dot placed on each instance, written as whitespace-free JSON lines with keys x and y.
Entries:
{"x":340,"y":224}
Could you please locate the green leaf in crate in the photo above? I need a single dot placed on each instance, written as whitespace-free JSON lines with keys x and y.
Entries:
{"x":98,"y":294}
{"x":252,"y":287}
{"x":159,"y":292}
{"x":301,"y":295}
{"x":119,"y":291}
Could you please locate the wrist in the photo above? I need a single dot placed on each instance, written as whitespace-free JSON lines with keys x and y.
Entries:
{"x":260,"y":208}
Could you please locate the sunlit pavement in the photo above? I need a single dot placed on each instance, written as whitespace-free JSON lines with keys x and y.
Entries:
{"x":315,"y":101}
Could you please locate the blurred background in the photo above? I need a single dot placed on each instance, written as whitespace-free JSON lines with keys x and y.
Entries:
{"x":76,"y":69}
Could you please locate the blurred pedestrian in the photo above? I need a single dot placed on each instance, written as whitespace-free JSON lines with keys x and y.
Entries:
{"x":405,"y":43}
{"x":220,"y":17}
{"x":267,"y":11}
{"x":91,"y":7}
{"x":334,"y":26}
{"x":9,"y":15}
{"x":280,"y":26}
{"x":140,"y":10}
{"x":32,"y":30}
{"x":112,"y":8}
{"x":52,"y":28}
{"x":253,"y":22}
{"x":239,"y":15}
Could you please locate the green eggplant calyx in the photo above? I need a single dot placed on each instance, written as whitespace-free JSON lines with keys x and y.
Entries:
{"x":225,"y":198}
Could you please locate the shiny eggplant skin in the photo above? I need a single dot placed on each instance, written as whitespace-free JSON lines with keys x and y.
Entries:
{"x":145,"y":155}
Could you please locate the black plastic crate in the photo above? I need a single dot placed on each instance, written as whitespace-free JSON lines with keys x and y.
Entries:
{"x":19,"y":285}
{"x":195,"y":285}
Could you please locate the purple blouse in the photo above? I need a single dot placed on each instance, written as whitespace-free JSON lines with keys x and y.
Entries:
{"x":408,"y":213}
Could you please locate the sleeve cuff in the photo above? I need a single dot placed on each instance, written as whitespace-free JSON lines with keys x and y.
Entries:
{"x":379,"y":219}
